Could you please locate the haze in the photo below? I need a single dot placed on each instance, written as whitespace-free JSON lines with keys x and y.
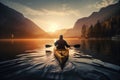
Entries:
{"x":51,"y":15}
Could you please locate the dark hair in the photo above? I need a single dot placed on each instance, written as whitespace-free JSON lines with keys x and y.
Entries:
{"x":61,"y":37}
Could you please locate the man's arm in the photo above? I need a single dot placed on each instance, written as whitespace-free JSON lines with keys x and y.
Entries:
{"x":66,"y":44}
{"x":56,"y":43}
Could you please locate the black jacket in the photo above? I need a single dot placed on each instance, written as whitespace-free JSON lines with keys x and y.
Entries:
{"x":61,"y":44}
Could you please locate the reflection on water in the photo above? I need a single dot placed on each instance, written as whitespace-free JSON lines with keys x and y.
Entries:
{"x":30,"y":60}
{"x":106,"y":50}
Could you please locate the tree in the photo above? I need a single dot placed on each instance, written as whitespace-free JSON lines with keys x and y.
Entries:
{"x":90,"y":31}
{"x":84,"y":31}
{"x":97,"y":29}
{"x":107,"y":28}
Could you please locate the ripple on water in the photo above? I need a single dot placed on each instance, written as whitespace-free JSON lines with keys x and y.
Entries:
{"x":36,"y":65}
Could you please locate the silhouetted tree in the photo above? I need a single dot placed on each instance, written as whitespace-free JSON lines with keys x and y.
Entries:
{"x":90,"y":31}
{"x":84,"y":31}
{"x":97,"y":29}
{"x":107,"y":28}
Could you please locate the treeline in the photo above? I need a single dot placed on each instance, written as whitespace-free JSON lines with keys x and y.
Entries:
{"x":105,"y":29}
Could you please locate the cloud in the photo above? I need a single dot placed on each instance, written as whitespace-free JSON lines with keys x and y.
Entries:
{"x":65,"y":10}
{"x":65,"y":16}
{"x":102,"y":3}
{"x":60,"y":13}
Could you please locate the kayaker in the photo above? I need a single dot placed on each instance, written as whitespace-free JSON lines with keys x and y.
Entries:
{"x":61,"y":43}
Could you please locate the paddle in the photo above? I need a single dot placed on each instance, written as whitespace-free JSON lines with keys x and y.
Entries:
{"x":76,"y":45}
{"x":48,"y":45}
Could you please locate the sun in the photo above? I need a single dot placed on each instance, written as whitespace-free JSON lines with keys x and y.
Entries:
{"x":53,"y":27}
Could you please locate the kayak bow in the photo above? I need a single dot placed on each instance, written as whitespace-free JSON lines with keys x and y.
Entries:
{"x":62,"y":56}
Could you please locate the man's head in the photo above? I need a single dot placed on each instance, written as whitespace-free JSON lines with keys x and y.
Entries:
{"x":61,"y":37}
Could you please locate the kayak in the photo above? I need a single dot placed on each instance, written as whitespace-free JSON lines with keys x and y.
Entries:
{"x":62,"y":56}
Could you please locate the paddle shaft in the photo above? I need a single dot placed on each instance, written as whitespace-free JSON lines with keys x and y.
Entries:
{"x":76,"y":45}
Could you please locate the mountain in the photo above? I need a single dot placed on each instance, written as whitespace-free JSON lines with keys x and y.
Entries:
{"x":13,"y":23}
{"x":103,"y":14}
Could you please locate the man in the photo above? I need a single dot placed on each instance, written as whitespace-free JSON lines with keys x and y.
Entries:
{"x":61,"y":43}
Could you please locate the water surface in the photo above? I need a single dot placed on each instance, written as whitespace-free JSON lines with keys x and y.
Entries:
{"x":30,"y":60}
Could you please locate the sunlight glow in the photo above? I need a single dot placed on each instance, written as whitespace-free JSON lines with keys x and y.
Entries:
{"x":53,"y":27}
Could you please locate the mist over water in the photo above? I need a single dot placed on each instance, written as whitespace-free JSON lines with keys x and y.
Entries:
{"x":30,"y":60}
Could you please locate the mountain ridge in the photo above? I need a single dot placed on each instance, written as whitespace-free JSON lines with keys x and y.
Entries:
{"x":103,"y":14}
{"x":14,"y":22}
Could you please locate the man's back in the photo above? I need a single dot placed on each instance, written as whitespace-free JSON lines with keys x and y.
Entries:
{"x":61,"y":44}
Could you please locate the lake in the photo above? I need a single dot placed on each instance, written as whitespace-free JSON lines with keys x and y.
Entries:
{"x":29,"y":59}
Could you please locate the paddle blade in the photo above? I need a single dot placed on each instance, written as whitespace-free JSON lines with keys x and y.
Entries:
{"x":47,"y":45}
{"x":77,"y":45}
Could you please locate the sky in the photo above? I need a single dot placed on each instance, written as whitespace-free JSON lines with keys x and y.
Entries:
{"x":51,"y":15}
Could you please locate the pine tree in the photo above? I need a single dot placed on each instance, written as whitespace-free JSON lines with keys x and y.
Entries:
{"x":84,"y":31}
{"x":97,"y":29}
{"x":90,"y":31}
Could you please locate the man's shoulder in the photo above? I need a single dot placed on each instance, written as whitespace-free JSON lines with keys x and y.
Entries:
{"x":64,"y":40}
{"x":56,"y":41}
{"x":61,"y":40}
